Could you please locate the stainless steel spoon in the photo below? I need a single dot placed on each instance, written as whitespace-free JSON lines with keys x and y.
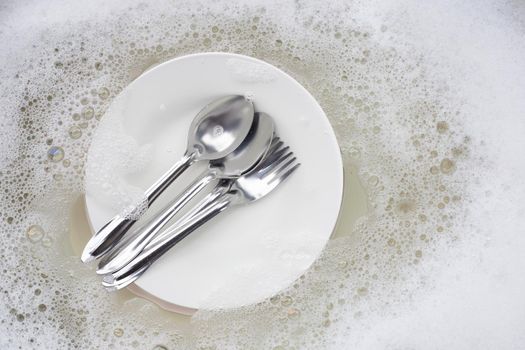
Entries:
{"x":217,"y":130}
{"x":248,"y":188}
{"x":243,"y":159}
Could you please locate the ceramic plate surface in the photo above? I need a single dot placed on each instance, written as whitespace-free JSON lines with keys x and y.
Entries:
{"x":247,"y":253}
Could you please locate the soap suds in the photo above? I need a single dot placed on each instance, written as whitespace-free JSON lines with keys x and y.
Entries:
{"x":249,"y":72}
{"x":426,"y":99}
{"x":113,"y":155}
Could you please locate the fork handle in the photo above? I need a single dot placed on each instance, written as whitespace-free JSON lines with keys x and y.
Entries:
{"x":134,"y":269}
{"x":129,"y":248}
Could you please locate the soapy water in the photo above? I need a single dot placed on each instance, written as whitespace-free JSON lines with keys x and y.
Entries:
{"x":426,"y":100}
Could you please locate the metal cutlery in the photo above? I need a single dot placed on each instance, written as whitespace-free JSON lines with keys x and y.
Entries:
{"x":250,"y":153}
{"x":260,"y":181}
{"x":216,"y":131}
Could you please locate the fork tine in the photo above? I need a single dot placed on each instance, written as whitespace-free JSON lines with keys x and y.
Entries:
{"x":284,"y":176}
{"x":274,"y":143}
{"x":278,"y":153}
{"x":275,"y":164}
{"x":274,"y":147}
{"x":279,"y":167}
{"x":272,"y":157}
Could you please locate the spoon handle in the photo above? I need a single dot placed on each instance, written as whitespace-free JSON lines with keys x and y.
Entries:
{"x":134,"y":269}
{"x":130,"y":247}
{"x":169,"y":176}
{"x":111,"y":233}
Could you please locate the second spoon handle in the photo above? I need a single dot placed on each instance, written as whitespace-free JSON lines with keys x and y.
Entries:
{"x":111,"y":233}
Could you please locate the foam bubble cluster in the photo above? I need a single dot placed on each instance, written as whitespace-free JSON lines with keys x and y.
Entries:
{"x":113,"y":155}
{"x":426,"y":100}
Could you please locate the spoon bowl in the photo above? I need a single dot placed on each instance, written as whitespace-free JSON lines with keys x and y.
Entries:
{"x":220,"y":127}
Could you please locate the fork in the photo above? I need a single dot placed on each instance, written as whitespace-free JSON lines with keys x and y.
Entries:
{"x":267,"y":176}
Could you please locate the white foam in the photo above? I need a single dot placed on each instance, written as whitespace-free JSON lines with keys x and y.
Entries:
{"x":435,"y":264}
{"x":249,"y":72}
{"x":113,"y":155}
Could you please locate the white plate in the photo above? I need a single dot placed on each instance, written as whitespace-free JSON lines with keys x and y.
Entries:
{"x":248,"y":253}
